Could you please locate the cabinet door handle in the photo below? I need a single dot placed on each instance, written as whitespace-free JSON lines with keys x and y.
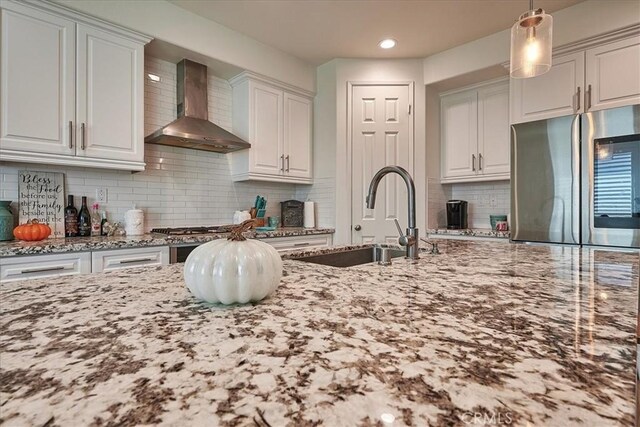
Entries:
{"x":587,"y":99}
{"x":479,"y":161}
{"x":129,"y":261}
{"x":282,"y":163}
{"x":473,"y":162}
{"x":82,"y":127}
{"x":578,"y":96}
{"x":40,"y":270}
{"x":287,"y":163}
{"x":70,"y":134}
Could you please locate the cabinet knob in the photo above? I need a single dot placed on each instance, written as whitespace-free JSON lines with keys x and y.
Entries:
{"x":357,"y":227}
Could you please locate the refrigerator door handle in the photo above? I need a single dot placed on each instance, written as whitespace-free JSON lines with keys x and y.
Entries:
{"x":575,"y":179}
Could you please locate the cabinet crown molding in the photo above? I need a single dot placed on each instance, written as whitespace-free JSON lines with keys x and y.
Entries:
{"x":250,"y":75}
{"x":475,"y":86}
{"x":51,"y":7}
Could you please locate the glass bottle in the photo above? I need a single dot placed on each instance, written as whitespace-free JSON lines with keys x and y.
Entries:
{"x":84,"y":219}
{"x":70,"y":218}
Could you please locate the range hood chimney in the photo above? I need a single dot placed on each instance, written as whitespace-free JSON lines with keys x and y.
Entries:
{"x":192,"y":128}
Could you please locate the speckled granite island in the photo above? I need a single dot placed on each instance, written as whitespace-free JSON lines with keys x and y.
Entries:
{"x":509,"y":334}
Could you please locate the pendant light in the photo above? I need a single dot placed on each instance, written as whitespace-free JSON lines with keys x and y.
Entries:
{"x":531,"y":43}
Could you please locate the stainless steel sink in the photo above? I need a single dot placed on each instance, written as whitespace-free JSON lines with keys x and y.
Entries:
{"x":349,"y":258}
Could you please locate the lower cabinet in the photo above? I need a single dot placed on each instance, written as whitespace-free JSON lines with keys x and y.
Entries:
{"x":118,"y":259}
{"x":41,"y":266}
{"x":70,"y":263}
{"x":282,"y":244}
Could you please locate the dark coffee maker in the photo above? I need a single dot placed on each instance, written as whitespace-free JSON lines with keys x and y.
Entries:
{"x":456,"y":214}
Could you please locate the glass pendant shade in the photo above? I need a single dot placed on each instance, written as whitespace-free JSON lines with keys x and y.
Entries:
{"x":531,"y":38}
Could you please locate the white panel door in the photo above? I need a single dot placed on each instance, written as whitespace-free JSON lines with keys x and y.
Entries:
{"x":613,"y":72}
{"x":266,"y":153}
{"x":553,"y":94}
{"x":298,"y":119}
{"x":382,"y":135}
{"x":110,"y":96}
{"x":37,"y":92}
{"x":493,"y":130}
{"x":459,"y":134}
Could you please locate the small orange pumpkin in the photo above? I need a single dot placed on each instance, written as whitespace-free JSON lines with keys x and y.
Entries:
{"x":32,"y":231}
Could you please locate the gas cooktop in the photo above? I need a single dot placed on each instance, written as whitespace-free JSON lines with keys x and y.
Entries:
{"x":185,"y":231}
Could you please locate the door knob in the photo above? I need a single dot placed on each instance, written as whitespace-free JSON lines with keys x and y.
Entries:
{"x":357,"y":227}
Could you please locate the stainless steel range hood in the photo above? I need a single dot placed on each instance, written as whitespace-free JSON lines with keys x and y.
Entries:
{"x":192,"y":129}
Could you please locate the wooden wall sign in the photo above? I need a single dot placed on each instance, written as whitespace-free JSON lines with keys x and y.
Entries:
{"x":41,"y":197}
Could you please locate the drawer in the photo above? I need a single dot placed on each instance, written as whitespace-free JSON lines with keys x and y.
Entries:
{"x":37,"y":266}
{"x":117,"y":259}
{"x":299,"y":242}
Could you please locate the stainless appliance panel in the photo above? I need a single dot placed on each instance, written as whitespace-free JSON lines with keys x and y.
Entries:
{"x":545,"y":181}
{"x":611,"y":177}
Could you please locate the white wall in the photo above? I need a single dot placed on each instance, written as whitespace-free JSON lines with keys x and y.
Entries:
{"x":583,"y":20}
{"x":170,"y":23}
{"x":180,"y":187}
{"x":331,"y":128}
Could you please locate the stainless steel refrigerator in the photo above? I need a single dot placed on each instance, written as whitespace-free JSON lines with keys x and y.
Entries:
{"x":576,"y":179}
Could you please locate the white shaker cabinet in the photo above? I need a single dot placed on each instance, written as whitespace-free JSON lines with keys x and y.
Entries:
{"x":118,"y":259}
{"x":613,"y":75}
{"x":494,"y":132}
{"x":42,"y":266}
{"x":298,"y":119}
{"x":459,"y":134}
{"x":278,"y":122}
{"x":556,"y":93}
{"x":71,"y":89}
{"x":282,"y":244}
{"x":605,"y":76}
{"x":37,"y":86}
{"x":474,"y":132}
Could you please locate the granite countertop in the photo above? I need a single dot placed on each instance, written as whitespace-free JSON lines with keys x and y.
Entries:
{"x":78,"y":244}
{"x":471,"y":232}
{"x":520,"y":334}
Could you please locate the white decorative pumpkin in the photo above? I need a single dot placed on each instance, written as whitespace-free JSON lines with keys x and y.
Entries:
{"x":233,"y":270}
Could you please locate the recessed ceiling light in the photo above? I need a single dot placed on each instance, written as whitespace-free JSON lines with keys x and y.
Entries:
{"x":387,"y":43}
{"x":153,"y":77}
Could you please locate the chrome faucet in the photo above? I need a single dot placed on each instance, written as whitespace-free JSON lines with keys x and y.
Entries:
{"x":411,"y":238}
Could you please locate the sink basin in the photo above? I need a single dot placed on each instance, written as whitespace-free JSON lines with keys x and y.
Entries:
{"x":349,"y":258}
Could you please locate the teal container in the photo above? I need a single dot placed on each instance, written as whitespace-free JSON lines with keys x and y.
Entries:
{"x":6,"y":221}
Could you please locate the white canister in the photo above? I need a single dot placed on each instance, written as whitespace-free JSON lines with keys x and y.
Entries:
{"x":134,"y":222}
{"x":241,"y":216}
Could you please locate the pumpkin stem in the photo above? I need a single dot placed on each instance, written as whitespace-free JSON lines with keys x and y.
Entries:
{"x":236,"y":232}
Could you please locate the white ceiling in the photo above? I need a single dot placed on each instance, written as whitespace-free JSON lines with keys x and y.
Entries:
{"x":319,"y":30}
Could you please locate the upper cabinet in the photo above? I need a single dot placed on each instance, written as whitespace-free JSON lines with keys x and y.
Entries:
{"x":474,"y":132}
{"x":601,"y":77}
{"x":71,"y":89}
{"x":278,"y":122}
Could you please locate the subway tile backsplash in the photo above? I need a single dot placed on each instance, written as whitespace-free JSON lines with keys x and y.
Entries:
{"x":485,"y":198}
{"x":179,"y":187}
